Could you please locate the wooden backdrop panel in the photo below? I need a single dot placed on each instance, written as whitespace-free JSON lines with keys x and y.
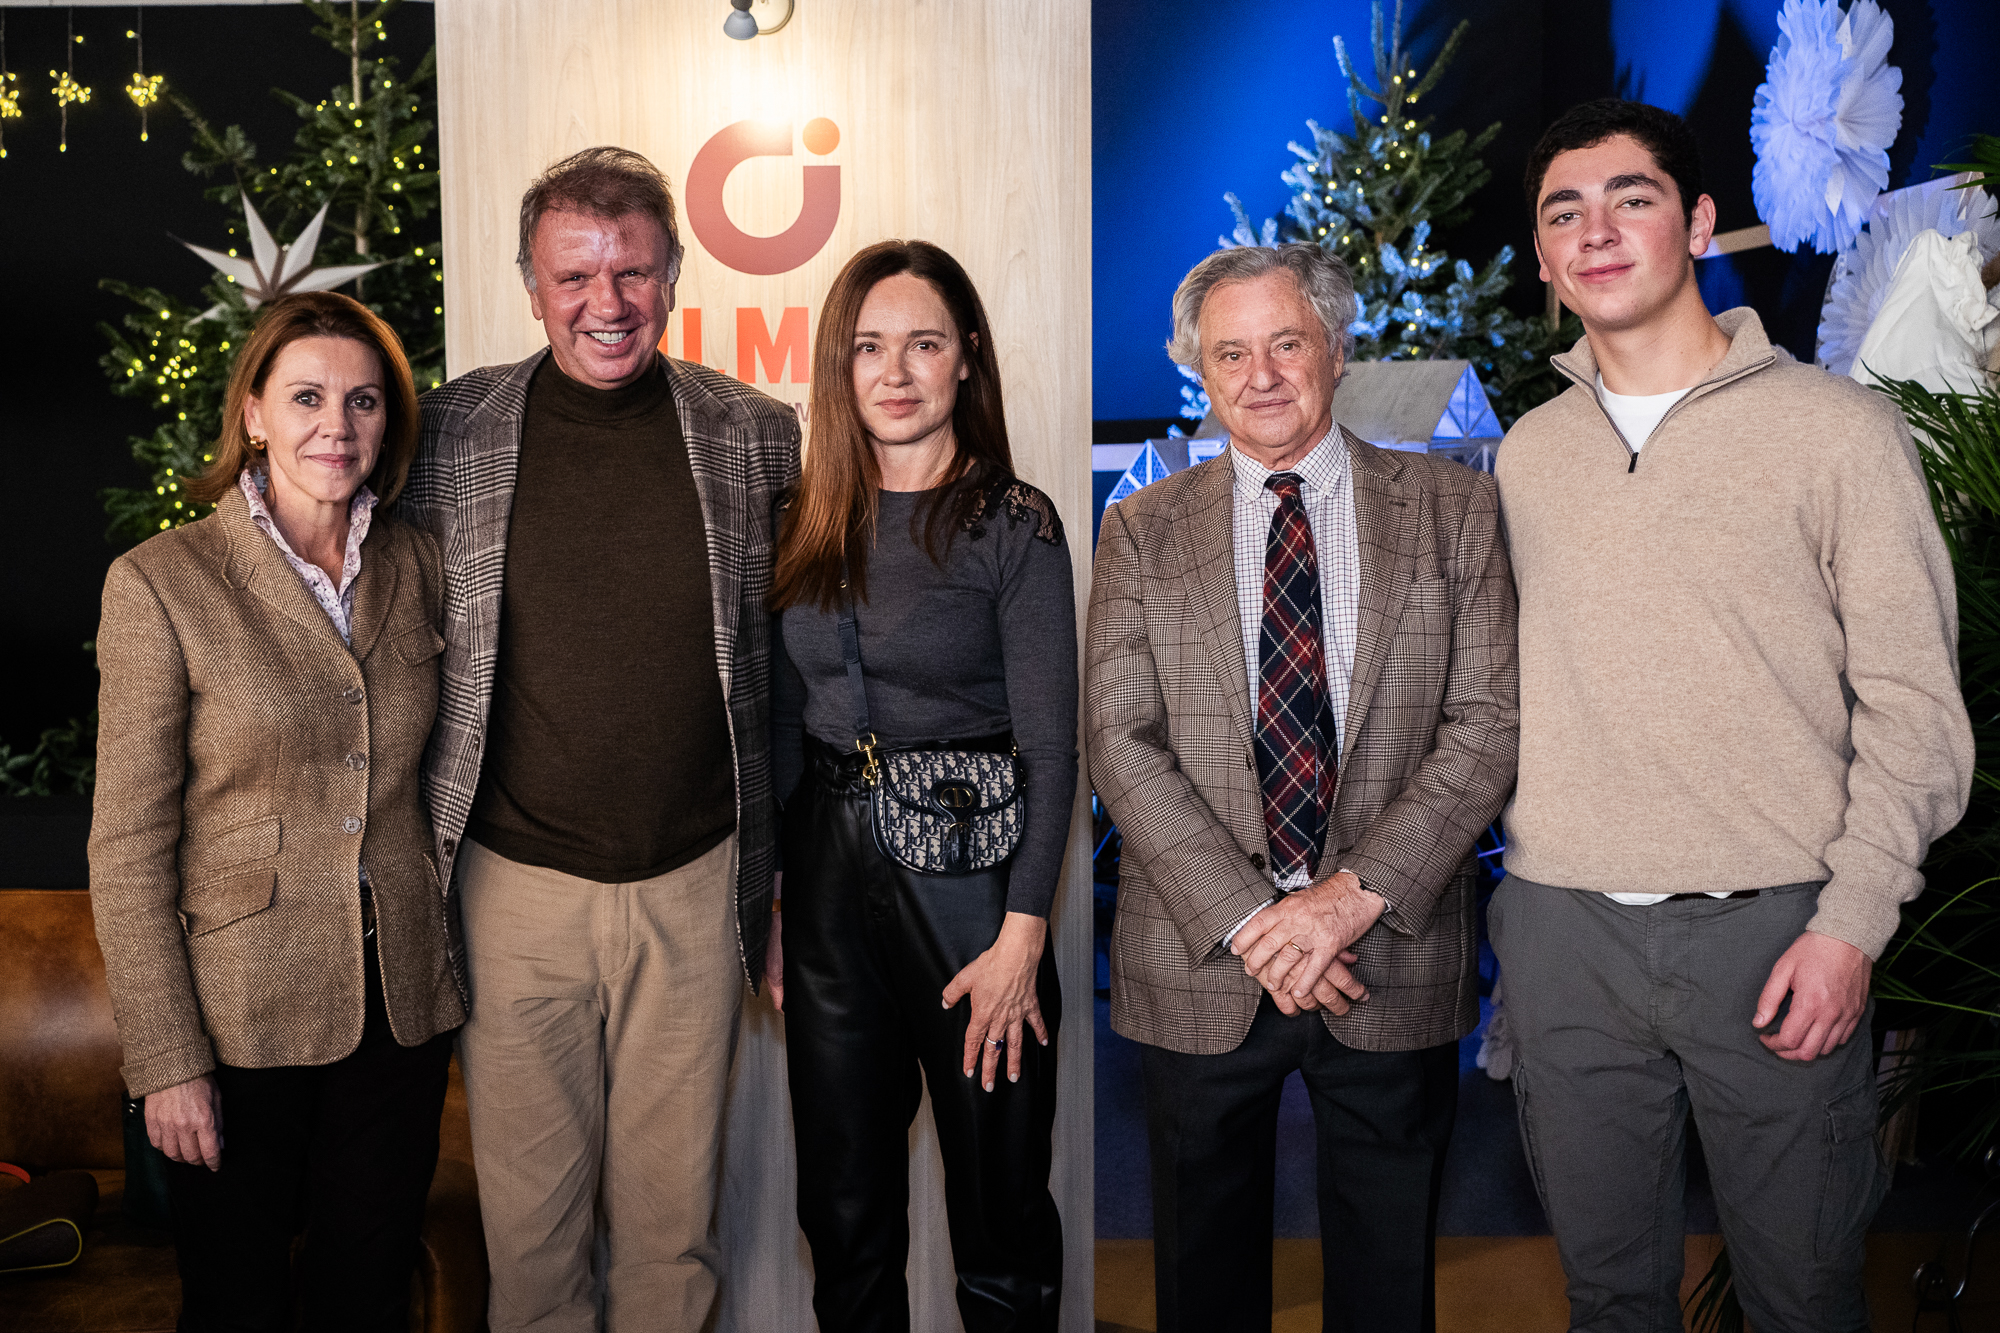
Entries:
{"x":962,"y":122}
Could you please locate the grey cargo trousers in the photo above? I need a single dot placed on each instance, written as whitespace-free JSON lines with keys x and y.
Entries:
{"x":1627,"y":1018}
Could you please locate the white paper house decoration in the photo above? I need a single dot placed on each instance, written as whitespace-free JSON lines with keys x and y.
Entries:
{"x":1147,"y":468}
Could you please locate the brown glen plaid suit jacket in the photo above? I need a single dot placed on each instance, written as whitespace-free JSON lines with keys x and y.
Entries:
{"x":744,"y":449}
{"x":1431,"y":731}
{"x":248,"y":764}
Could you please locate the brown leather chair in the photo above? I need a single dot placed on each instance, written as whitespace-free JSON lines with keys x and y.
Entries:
{"x":59,"y":1108}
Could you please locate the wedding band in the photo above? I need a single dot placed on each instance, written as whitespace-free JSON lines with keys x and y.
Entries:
{"x":1293,"y":944}
{"x":999,"y":1045}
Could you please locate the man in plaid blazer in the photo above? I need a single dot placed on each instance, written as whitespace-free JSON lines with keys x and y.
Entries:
{"x":599,"y":776}
{"x":1243,"y":950}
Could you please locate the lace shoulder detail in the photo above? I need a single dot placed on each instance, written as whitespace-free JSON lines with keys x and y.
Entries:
{"x":1021,"y":503}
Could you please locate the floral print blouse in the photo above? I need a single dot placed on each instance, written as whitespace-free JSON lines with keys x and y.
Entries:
{"x":338,"y":603}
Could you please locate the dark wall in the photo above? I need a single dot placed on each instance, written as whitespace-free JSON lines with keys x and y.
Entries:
{"x":105,"y":209}
{"x":1191,"y":98}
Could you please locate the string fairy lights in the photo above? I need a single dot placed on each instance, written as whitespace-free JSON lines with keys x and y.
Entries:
{"x":10,"y":96}
{"x":144,"y":90}
{"x":67,"y":89}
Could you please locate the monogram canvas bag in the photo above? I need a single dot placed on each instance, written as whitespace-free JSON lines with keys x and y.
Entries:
{"x":937,"y":812}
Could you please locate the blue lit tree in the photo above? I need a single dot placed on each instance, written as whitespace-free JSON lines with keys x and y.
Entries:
{"x":1375,"y":196}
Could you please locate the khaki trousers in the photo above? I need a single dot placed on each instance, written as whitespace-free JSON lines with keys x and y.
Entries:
{"x":596,"y":1070}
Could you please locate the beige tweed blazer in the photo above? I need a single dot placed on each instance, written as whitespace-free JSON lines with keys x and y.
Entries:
{"x":248,"y":762}
{"x":1431,"y":732}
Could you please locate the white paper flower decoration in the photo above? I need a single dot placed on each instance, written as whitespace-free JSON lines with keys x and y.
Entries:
{"x":1870,"y":113}
{"x":1823,"y":121}
{"x":1791,"y":122}
{"x":1862,"y":275}
{"x":278,"y":270}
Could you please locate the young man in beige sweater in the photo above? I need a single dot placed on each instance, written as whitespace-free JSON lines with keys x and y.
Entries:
{"x":1741,"y":728}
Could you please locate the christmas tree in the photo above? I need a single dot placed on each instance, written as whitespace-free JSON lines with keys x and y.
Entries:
{"x":1375,"y":197}
{"x":367,"y":154}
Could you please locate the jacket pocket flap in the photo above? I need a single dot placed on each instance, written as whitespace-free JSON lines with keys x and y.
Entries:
{"x":237,"y":846}
{"x":227,"y":900}
{"x":420,"y":644}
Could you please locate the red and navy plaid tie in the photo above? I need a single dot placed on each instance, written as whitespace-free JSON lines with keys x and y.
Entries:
{"x":1296,"y":758}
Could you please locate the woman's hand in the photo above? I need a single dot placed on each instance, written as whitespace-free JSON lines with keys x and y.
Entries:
{"x":1001,"y":982}
{"x":774,"y":953}
{"x":185,"y":1122}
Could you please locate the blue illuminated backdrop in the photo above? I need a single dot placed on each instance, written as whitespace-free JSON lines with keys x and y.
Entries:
{"x":1661,"y":53}
{"x":1188,"y":101}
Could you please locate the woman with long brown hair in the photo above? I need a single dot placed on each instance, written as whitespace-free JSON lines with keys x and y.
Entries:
{"x":926,"y":735}
{"x":273,"y":929}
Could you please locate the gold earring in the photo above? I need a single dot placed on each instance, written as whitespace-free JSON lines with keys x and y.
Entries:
{"x":258,"y":442}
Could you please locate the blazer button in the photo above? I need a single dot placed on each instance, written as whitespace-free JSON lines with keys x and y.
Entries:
{"x":351,"y":824}
{"x":357,"y":761}
{"x":354,"y":696}
{"x":450,"y":846}
{"x":1256,"y":858}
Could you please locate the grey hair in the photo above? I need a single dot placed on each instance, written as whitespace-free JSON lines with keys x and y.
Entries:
{"x":604,"y":182}
{"x":1323,"y":279}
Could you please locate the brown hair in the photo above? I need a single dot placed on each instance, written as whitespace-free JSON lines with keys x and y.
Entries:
{"x":830,"y":522}
{"x":284,"y":322}
{"x":603,"y":182}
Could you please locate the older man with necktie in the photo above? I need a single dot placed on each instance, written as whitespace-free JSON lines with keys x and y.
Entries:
{"x":1301,"y":693}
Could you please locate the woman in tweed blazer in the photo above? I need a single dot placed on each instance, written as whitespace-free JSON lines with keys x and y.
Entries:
{"x":260,"y":860}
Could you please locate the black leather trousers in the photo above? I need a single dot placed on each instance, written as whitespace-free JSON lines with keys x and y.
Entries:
{"x":869,"y":948}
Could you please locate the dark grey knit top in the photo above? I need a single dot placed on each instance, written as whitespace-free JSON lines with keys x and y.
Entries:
{"x":984,"y":645}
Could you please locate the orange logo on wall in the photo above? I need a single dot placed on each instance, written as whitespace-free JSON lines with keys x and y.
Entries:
{"x":729,"y":148}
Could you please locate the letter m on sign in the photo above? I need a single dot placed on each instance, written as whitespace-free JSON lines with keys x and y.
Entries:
{"x":754,"y":341}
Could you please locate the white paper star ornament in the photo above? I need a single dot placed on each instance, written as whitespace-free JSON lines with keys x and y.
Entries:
{"x":275,"y":270}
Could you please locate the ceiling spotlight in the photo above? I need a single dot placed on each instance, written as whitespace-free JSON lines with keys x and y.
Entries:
{"x":750,"y":18}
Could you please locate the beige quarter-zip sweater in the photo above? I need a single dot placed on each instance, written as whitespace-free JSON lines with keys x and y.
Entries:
{"x":1738,"y":648}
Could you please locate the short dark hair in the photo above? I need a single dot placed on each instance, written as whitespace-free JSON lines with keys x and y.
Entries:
{"x":1662,"y":133}
{"x":603,"y":182}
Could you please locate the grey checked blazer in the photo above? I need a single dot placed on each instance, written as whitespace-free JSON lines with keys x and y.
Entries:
{"x":744,"y":449}
{"x":1432,"y":725}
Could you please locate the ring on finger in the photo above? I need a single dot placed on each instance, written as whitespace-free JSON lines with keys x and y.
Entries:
{"x":997,"y":1043}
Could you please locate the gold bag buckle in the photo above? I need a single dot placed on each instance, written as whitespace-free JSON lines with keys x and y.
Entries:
{"x":871,"y":770}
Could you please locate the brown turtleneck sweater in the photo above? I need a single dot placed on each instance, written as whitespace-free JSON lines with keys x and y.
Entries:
{"x":608,"y":753}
